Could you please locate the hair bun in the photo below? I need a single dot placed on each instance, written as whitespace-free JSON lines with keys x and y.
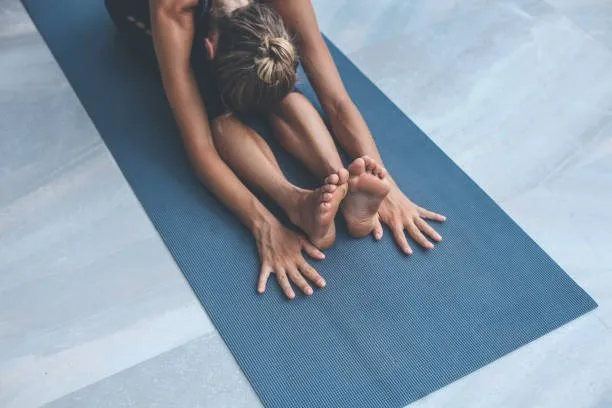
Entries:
{"x":276,"y":53}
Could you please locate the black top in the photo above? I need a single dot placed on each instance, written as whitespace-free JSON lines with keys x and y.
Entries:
{"x":202,"y":16}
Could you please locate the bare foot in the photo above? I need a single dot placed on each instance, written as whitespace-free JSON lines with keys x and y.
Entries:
{"x":368,"y":187}
{"x":316,"y":209}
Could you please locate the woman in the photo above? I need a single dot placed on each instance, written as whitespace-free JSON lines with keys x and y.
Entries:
{"x":217,"y":57}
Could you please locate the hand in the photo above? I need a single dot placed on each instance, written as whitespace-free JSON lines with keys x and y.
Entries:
{"x":280,"y":251}
{"x":399,"y":213}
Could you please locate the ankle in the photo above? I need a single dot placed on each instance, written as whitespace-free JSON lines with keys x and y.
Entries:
{"x":359,"y":228}
{"x":292,"y":202}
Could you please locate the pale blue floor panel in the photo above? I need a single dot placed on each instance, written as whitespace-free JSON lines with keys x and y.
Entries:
{"x":193,"y":375}
{"x":86,"y":287}
{"x":521,"y":98}
{"x":593,"y":16}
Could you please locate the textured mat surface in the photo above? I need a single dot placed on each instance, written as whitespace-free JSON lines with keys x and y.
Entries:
{"x":388,"y":329}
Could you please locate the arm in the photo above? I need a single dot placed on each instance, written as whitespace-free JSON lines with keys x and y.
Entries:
{"x":347,"y":124}
{"x":346,"y":121}
{"x":173,"y":31}
{"x":172,"y":28}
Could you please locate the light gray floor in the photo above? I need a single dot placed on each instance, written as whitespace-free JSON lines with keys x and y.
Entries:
{"x":93,"y":311}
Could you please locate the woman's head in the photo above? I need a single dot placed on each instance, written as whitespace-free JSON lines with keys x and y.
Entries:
{"x":255,"y":58}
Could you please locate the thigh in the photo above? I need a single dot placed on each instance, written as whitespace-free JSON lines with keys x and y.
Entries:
{"x":237,"y":141}
{"x":298,"y":112}
{"x":301,"y":130}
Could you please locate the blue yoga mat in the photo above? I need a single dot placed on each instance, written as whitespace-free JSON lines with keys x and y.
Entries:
{"x":388,"y":329}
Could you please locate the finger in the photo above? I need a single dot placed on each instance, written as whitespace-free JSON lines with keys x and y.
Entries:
{"x":283,"y":282}
{"x":264,"y":274}
{"x":430,"y":215}
{"x":312,"y":275}
{"x":418,"y":236}
{"x":428,"y":230}
{"x":378,"y":230}
{"x":400,"y":239}
{"x":297,"y":278}
{"x":312,"y":250}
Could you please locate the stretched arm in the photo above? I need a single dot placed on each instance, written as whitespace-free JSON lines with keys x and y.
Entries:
{"x":349,"y":127}
{"x":173,"y":31}
{"x":172,"y":28}
{"x":347,"y":123}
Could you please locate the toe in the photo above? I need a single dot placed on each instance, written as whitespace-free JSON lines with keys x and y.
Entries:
{"x":343,"y":176}
{"x":357,"y":167}
{"x":332,"y":179}
{"x":327,"y":197}
{"x":372,"y":167}
{"x":329,"y":188}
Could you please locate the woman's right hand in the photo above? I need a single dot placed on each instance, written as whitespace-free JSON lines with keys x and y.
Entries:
{"x":280,"y":251}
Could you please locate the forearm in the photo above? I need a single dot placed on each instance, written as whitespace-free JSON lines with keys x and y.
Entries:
{"x":209,"y":166}
{"x":351,"y":130}
{"x":229,"y":189}
{"x":172,"y":24}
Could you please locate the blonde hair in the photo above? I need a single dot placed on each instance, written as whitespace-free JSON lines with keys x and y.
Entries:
{"x":256,"y":60}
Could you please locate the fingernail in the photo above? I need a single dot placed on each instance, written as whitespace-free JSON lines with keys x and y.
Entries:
{"x":309,"y":292}
{"x":322,"y":255}
{"x":323,"y":283}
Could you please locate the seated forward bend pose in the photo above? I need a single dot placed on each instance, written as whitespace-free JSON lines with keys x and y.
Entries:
{"x":253,"y":51}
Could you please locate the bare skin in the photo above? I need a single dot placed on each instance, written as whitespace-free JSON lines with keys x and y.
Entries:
{"x":280,"y":250}
{"x":301,"y":130}
{"x":311,"y":210}
{"x":281,"y":255}
{"x":397,"y":211}
{"x":368,"y":188}
{"x":315,"y":210}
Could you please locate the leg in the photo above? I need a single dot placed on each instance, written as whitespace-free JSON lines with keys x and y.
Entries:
{"x":253,"y":161}
{"x":301,"y":130}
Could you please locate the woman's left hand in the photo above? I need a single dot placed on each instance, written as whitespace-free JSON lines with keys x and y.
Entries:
{"x":399,"y":213}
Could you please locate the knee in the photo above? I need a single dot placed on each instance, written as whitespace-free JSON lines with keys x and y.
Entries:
{"x":219,"y":125}
{"x":224,"y":132}
{"x":286,"y":110}
{"x":291,"y":100}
